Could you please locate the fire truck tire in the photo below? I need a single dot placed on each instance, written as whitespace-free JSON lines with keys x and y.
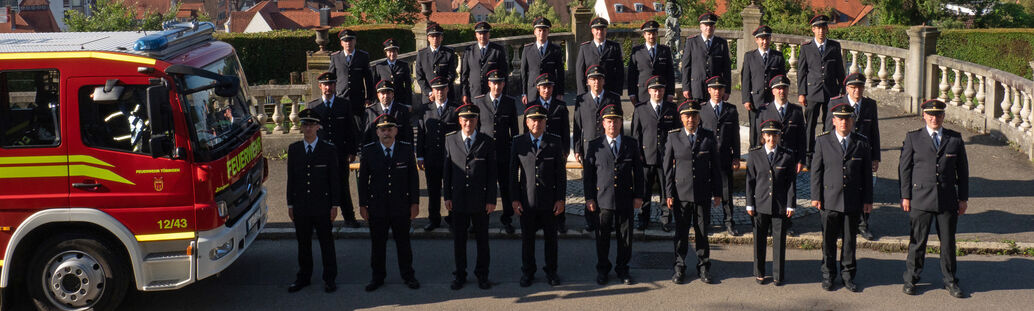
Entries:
{"x":75,"y":271}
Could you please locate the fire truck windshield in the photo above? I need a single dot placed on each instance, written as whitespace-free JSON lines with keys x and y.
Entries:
{"x":217,"y":121}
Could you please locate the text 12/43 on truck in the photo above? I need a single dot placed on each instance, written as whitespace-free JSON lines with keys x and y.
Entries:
{"x":128,"y":161}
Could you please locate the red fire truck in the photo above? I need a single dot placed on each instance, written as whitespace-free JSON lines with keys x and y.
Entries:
{"x":128,"y":160}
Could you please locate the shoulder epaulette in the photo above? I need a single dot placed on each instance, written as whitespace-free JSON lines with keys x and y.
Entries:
{"x":808,"y":42}
{"x":451,"y":133}
{"x":756,"y":148}
{"x":479,"y":96}
{"x":823,"y":133}
{"x":517,"y":136}
{"x":838,"y":96}
{"x":403,"y":142}
{"x":335,"y":53}
{"x":951,"y":132}
{"x":403,"y":105}
{"x":916,"y":130}
{"x":674,"y":131}
{"x":554,"y":135}
{"x":586,"y":42}
{"x":861,"y":135}
{"x":369,"y":144}
{"x":613,"y":93}
{"x":530,"y":44}
{"x":787,"y":150}
{"x":361,"y":51}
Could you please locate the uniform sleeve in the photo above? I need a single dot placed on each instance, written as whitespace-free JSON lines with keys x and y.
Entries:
{"x":370,"y":95}
{"x":334,"y":176}
{"x":576,"y":131}
{"x":561,"y":180}
{"x":633,"y":77}
{"x":746,"y":81}
{"x":867,"y":177}
{"x":292,"y":166}
{"x":565,"y":137}
{"x":464,"y":75}
{"x":668,"y":73}
{"x":447,"y":171}
{"x":736,"y":151}
{"x":589,"y":176}
{"x":817,"y":170}
{"x":687,"y":65}
{"x":716,"y":173}
{"x":905,"y":166}
{"x":453,"y":66}
{"x":524,"y":73}
{"x":421,"y":139}
{"x":638,"y":180}
{"x":791,"y":192}
{"x":874,"y":137}
{"x":669,"y":167}
{"x":515,"y":173}
{"x":578,"y":71}
{"x":414,"y":182}
{"x":493,"y":172}
{"x":752,"y":181}
{"x":421,"y":78}
{"x":363,"y":181}
{"x":802,"y":73}
{"x":962,"y":172}
{"x":727,"y":68}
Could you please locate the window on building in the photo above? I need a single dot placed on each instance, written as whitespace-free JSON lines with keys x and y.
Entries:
{"x":638,"y":7}
{"x":618,"y":8}
{"x":509,"y":5}
{"x":659,"y":7}
{"x":29,"y":109}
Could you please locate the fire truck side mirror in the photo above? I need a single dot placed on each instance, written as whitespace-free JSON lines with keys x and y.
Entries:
{"x":157,"y":112}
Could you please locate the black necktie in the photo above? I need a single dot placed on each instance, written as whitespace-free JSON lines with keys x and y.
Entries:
{"x":614,"y":147}
{"x":782,"y":112}
{"x":822,"y":48}
{"x":542,"y":50}
{"x":936,"y":141}
{"x":483,"y":52}
{"x":764,"y":58}
{"x":717,"y":110}
{"x":308,"y":150}
{"x":348,"y":58}
{"x":652,"y":54}
{"x":467,"y":142}
{"x":601,"y":49}
{"x":771,"y":156}
{"x":441,"y":110}
{"x":708,"y":44}
{"x":495,"y":103}
{"x":535,"y":144}
{"x":387,"y":154}
{"x":692,"y":140}
{"x":843,"y":144}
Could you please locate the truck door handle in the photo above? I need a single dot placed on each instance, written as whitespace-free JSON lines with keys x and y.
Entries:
{"x":86,"y":186}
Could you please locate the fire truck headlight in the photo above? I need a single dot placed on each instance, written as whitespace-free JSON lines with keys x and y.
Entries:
{"x":221,"y":250}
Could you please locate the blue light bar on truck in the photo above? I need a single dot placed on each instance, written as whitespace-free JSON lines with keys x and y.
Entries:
{"x":174,"y":34}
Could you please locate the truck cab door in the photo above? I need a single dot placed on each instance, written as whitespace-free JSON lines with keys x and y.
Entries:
{"x":149,"y":193}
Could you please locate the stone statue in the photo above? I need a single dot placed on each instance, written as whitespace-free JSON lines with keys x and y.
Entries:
{"x":673,"y":36}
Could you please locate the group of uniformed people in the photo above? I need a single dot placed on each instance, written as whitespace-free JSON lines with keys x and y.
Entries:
{"x":467,"y":142}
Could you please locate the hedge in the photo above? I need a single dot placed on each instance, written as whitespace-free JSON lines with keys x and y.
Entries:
{"x":1005,"y":49}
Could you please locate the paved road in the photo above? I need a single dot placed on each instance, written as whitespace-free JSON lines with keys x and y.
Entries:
{"x":258,"y":281}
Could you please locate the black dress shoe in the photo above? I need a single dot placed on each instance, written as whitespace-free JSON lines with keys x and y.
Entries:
{"x":954,"y":290}
{"x":351,"y":223}
{"x":553,"y":280}
{"x":730,"y":231}
{"x":759,"y":280}
{"x":777,"y":282}
{"x":678,"y":278}
{"x":484,"y":284}
{"x":526,"y":280}
{"x":296,"y":286}
{"x":374,"y":285}
{"x":791,"y":232}
{"x":561,"y":228}
{"x":865,"y":233}
{"x":448,"y":219}
{"x":909,"y":289}
{"x":589,"y":229}
{"x":827,"y":284}
{"x":601,"y":279}
{"x":457,"y":283}
{"x":705,"y":277}
{"x":666,"y":227}
{"x":329,"y":287}
{"x":626,"y":279}
{"x":509,"y":229}
{"x":412,"y":283}
{"x":430,"y":227}
{"x":640,"y":225}
{"x":851,"y":286}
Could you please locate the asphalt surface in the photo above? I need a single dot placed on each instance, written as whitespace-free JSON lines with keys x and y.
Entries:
{"x":258,"y":281}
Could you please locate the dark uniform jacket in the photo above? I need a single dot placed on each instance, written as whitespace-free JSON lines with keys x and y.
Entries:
{"x":431,"y":65}
{"x":794,"y":133}
{"x":313,"y":180}
{"x":772,"y":186}
{"x":756,"y":74}
{"x":401,"y":114}
{"x":472,"y":71}
{"x":557,"y":122}
{"x":641,"y":67}
{"x":700,"y":63}
{"x":470,"y":176}
{"x":820,"y":76}
{"x":431,"y":130}
{"x":691,"y":168}
{"x":842,"y":181}
{"x":613,"y":182}
{"x":934,"y":179}
{"x":866,"y":123}
{"x":499,"y":123}
{"x":400,"y":77}
{"x":339,"y":126}
{"x":587,"y":123}
{"x":651,"y":129}
{"x":354,"y":79}
{"x":538,"y":179}
{"x":610,"y":60}
{"x":534,"y":63}
{"x":388,"y":188}
{"x":726,"y":128}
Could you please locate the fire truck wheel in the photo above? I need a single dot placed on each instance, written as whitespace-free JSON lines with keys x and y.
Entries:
{"x":75,"y":271}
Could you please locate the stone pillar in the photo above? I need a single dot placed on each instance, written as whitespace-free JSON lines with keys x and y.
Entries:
{"x":751,"y":20}
{"x":580,"y":18}
{"x":922,"y":42}
{"x":420,"y":28}
{"x":316,"y":63}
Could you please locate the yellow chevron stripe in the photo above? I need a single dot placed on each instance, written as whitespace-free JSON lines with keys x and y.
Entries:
{"x":1,"y":263}
{"x":34,"y":171}
{"x":53,"y":159}
{"x":88,"y":54}
{"x":99,"y":173}
{"x":165,"y":236}
{"x":58,"y":170}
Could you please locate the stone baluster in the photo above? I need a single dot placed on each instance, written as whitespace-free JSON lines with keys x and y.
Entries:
{"x":1025,"y":113}
{"x":1006,"y":104}
{"x":969,"y":92}
{"x":943,"y":87}
{"x":868,"y":70}
{"x":898,"y":76}
{"x":260,"y":115}
{"x":778,"y":46}
{"x":854,"y":63}
{"x":1017,"y":102}
{"x":278,"y":117}
{"x":792,"y":60}
{"x":882,"y":74}
{"x":980,"y":96}
{"x":956,"y":88}
{"x":295,"y":121}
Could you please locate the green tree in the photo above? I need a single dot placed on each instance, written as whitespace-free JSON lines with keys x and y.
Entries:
{"x":543,"y":9}
{"x":385,"y":12}
{"x":115,"y":15}
{"x":502,"y":16}
{"x":1007,"y":15}
{"x":906,"y":12}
